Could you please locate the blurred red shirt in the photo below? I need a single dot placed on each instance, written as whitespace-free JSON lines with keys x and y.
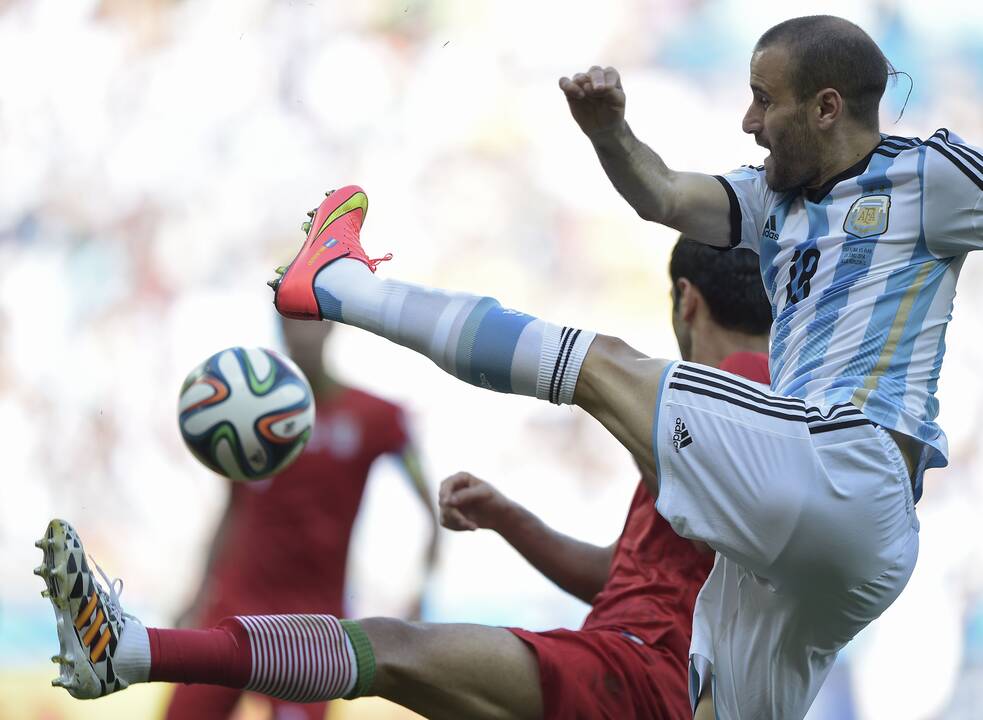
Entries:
{"x":285,"y":549}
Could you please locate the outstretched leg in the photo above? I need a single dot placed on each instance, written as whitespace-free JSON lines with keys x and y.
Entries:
{"x":471,"y":337}
{"x":440,"y":671}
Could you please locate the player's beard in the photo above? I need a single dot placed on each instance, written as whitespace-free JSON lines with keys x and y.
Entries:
{"x":794,"y":161}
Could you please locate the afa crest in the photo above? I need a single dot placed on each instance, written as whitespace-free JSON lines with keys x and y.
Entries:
{"x":868,"y":216}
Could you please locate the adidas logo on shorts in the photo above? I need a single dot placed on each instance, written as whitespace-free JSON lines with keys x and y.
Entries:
{"x":680,"y":435}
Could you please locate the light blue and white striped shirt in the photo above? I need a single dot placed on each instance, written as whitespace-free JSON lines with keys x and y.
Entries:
{"x":861,"y":275}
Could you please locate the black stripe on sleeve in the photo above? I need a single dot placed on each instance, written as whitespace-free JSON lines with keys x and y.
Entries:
{"x":736,"y":219}
{"x":961,"y":146}
{"x":966,"y":154}
{"x":940,"y":147}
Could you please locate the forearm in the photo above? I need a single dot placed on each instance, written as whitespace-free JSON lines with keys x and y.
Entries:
{"x":579,"y":568}
{"x":636,"y":172}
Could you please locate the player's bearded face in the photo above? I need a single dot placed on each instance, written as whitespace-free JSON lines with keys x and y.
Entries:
{"x":794,"y":159}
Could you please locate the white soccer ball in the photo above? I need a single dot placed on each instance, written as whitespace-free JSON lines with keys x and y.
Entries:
{"x":246,"y":413}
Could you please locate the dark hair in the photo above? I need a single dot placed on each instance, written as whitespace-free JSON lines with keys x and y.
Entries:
{"x":827,"y":51}
{"x":730,"y":282}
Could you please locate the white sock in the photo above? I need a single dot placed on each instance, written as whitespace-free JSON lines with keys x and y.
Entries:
{"x":471,"y":337}
{"x":131,"y":661}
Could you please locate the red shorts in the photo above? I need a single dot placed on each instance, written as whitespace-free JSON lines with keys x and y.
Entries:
{"x":593,"y":674}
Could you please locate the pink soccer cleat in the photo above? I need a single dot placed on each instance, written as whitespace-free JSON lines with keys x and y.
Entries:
{"x":332,"y":233}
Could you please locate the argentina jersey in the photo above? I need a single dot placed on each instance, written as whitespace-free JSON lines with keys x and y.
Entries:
{"x":861,"y":275}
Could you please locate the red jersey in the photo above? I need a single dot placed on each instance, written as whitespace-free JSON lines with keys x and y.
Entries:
{"x":654,"y":571}
{"x":286,"y":545}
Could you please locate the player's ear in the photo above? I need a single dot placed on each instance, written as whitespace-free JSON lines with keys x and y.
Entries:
{"x":828,"y":106}
{"x":689,"y":299}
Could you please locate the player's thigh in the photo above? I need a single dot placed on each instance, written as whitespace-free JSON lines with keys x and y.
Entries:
{"x":619,"y":386}
{"x":454,"y":670}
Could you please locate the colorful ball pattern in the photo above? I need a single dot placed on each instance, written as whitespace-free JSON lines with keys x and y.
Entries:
{"x":246,"y":413}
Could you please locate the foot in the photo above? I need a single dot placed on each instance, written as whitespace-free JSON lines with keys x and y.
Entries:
{"x":332,"y":233}
{"x":89,"y":619}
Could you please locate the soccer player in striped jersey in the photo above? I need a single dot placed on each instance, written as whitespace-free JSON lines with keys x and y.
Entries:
{"x":807,"y":491}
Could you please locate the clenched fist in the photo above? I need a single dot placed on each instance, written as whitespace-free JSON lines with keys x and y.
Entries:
{"x":596,"y":99}
{"x":469,"y":503}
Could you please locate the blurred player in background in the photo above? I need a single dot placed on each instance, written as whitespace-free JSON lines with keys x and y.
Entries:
{"x":629,"y":660}
{"x":282,"y":544}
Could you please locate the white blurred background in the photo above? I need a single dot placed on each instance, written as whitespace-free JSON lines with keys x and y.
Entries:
{"x":156,"y":160}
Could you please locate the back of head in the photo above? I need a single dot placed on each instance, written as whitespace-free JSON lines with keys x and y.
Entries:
{"x":829,"y":52}
{"x":729,"y":281}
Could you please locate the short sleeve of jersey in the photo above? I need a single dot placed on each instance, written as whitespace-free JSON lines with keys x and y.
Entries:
{"x":952,"y":195}
{"x":751,"y":202}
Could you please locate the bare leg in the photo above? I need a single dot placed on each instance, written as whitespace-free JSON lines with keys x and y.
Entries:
{"x":454,"y":670}
{"x":619,"y":386}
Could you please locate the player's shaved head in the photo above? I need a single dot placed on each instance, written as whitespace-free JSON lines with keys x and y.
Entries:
{"x":825,"y":51}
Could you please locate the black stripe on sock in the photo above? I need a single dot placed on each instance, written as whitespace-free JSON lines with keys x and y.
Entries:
{"x":566,"y":361}
{"x":564,"y":336}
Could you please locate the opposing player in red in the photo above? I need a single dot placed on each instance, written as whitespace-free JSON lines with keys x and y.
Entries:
{"x":628,"y":661}
{"x":282,"y":544}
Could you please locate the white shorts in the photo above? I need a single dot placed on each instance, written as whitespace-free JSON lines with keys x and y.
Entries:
{"x":812,"y":515}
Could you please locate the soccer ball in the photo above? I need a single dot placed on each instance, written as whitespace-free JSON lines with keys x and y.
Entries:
{"x":246,"y":413}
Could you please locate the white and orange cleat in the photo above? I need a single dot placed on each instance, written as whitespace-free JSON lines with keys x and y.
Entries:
{"x":89,"y":619}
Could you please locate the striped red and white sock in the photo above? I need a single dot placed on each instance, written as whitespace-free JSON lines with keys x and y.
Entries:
{"x":300,"y":658}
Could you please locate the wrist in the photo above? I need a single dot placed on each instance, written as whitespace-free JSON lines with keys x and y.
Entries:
{"x":611,"y":137}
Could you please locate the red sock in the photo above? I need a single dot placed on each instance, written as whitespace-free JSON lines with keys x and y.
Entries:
{"x":220,"y":656}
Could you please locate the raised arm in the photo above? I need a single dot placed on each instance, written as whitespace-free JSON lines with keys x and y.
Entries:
{"x":579,"y":568}
{"x":695,"y":204}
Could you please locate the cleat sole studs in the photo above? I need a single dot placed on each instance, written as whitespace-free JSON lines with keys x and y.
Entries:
{"x":306,"y":227}
{"x":275,"y":283}
{"x":40,"y":571}
{"x":310,"y":214}
{"x":46,"y":593}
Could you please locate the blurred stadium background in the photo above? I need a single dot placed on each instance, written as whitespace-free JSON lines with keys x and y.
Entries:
{"x":156,"y":161}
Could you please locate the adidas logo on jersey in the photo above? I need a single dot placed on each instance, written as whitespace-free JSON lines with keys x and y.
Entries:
{"x":680,"y":435}
{"x":771,"y":229}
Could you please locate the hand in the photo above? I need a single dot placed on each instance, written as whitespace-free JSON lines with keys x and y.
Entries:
{"x":596,"y":99}
{"x":469,"y":503}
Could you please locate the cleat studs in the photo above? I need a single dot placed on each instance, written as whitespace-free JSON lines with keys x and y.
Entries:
{"x":58,"y":682}
{"x":328,"y":193}
{"x":41,"y":571}
{"x":42,"y":543}
{"x":274,"y":283}
{"x":310,"y":214}
{"x":306,"y":227}
{"x":46,"y":593}
{"x":281,"y":270}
